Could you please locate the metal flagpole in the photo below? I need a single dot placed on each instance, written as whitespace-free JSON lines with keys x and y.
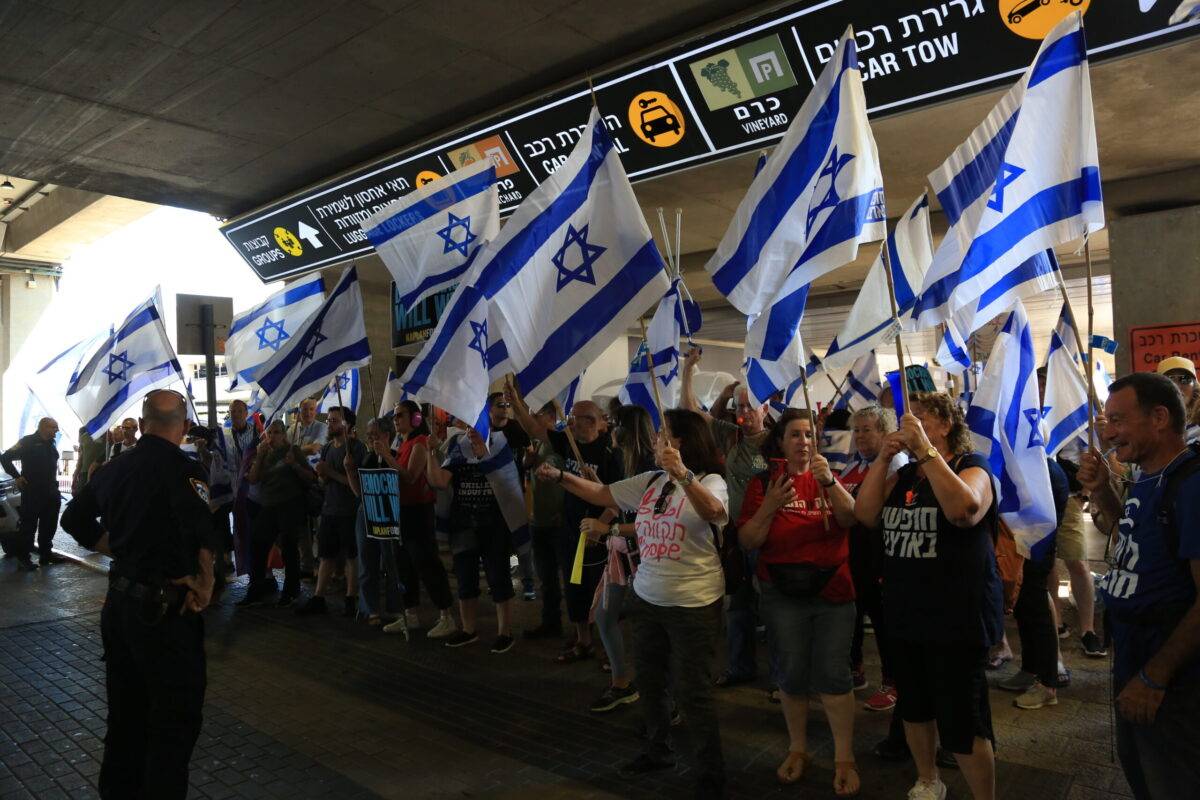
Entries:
{"x":1062,"y":287}
{"x":653,"y":381}
{"x":1091,"y":370}
{"x":891,"y":284}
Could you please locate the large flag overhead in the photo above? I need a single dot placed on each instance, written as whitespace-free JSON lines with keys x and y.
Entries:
{"x":1035,"y":275}
{"x":662,"y":344}
{"x":863,"y":386}
{"x":1027,"y":179}
{"x":1004,"y":419}
{"x":571,"y":270}
{"x":870,"y":323}
{"x":818,"y":197}
{"x":393,"y":392}
{"x":1065,"y":401}
{"x":135,"y":359}
{"x":427,"y":238}
{"x":343,"y":389}
{"x":333,"y":339}
{"x":257,"y":334}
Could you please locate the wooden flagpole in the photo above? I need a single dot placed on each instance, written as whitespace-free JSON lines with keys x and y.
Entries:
{"x":891,"y":284}
{"x":1091,"y":370}
{"x":654,"y":381}
{"x":1062,"y":287}
{"x":812,"y":415}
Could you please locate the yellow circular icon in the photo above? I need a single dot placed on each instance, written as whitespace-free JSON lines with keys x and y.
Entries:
{"x":426,"y":176}
{"x":656,"y":119}
{"x":1033,"y":19}
{"x":288,"y":242}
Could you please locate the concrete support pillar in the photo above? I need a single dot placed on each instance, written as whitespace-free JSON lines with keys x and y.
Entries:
{"x":1155,"y":273}
{"x":20,"y":308}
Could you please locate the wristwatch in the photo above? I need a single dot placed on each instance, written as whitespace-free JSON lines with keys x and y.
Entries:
{"x":930,"y":454}
{"x":686,"y":479}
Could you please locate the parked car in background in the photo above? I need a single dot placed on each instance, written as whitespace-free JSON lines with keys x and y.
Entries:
{"x":10,"y":501}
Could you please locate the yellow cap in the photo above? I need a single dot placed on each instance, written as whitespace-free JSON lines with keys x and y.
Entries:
{"x":1176,"y":362}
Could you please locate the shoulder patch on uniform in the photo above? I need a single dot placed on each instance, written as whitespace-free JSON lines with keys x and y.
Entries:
{"x":200,"y":488}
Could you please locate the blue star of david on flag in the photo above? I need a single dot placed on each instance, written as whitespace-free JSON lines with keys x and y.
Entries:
{"x":1008,"y":174}
{"x":670,"y":376}
{"x":343,"y":381}
{"x":310,"y":351}
{"x":1034,"y":415}
{"x":265,"y":337}
{"x":479,"y":340}
{"x":121,"y":363}
{"x":836,"y":163}
{"x":588,"y":254}
{"x":447,"y":234}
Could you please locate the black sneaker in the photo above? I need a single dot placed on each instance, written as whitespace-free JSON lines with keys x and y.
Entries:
{"x":891,"y":750}
{"x":503,"y":644}
{"x":614,"y":696}
{"x":1064,"y":631}
{"x":1093,"y":646}
{"x":26,"y":564}
{"x":461,"y":638}
{"x":647,"y":763}
{"x":544,"y":631}
{"x":529,"y":595}
{"x":50,"y":558}
{"x":312,"y":606}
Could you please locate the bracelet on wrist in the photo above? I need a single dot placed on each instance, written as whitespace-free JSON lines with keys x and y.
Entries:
{"x":560,"y":476}
{"x":829,"y":485}
{"x":1158,"y":687}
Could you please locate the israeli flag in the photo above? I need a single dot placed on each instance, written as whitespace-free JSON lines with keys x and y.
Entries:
{"x":347,"y":383}
{"x":838,"y":449}
{"x":793,"y":395}
{"x":1034,"y":276}
{"x":257,"y":334}
{"x":333,"y":339}
{"x":1004,"y":419}
{"x":818,"y":197}
{"x":1065,"y":401}
{"x":1027,"y":179}
{"x":1187,"y":11}
{"x":135,"y":359}
{"x":571,"y":270}
{"x":870,"y":324}
{"x":393,"y":392}
{"x":570,"y":393}
{"x":863,"y":385}
{"x":427,"y":238}
{"x":662,"y":344}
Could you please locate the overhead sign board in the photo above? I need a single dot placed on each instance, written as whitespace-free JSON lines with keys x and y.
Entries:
{"x":1150,"y":344}
{"x":708,"y":99}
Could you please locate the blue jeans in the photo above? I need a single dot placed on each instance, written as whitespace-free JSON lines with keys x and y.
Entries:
{"x":377,"y":563}
{"x":608,"y":622}
{"x":1162,"y":760}
{"x":810,"y":641}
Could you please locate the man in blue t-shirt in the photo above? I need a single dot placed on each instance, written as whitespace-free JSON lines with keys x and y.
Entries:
{"x":1150,"y":592}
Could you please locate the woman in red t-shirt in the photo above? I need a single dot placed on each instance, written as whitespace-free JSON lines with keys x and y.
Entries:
{"x":807,"y":596}
{"x":416,"y":522}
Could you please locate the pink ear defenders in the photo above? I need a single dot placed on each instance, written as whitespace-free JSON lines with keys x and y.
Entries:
{"x":416,"y":419}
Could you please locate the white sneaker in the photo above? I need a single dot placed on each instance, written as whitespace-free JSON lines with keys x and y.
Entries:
{"x":1036,"y":696}
{"x":398,"y":626}
{"x":445,"y":627}
{"x":413,"y":618}
{"x":927,"y":790}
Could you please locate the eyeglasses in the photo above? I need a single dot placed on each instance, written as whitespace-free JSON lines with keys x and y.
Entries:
{"x":1182,"y":378}
{"x":661,"y":505}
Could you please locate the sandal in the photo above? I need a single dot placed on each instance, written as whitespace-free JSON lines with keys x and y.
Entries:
{"x":846,"y":782}
{"x":793,"y":767}
{"x":580,"y":652}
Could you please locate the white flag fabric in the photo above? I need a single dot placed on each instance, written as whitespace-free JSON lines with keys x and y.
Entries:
{"x":334,"y":338}
{"x":863,"y":385}
{"x":347,"y":383}
{"x":571,"y":270}
{"x":1027,"y":179}
{"x":1186,"y":11}
{"x":257,"y":334}
{"x":1004,"y":419}
{"x":427,"y":238}
{"x":1065,"y":403}
{"x":838,"y":447}
{"x":393,"y":392}
{"x":662,"y":343}
{"x":870,"y":323}
{"x":818,"y":197}
{"x":135,"y":359}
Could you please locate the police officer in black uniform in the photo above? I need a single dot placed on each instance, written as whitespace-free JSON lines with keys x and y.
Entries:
{"x":154,"y":520}
{"x":38,"y":481}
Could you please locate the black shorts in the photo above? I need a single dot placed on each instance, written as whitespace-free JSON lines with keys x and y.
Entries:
{"x":336,"y":537}
{"x":946,"y":683}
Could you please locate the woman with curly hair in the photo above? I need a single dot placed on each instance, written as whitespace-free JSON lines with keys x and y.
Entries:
{"x":941,"y":589}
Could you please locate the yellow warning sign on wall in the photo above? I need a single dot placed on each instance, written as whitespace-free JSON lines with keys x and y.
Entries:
{"x":656,"y":119}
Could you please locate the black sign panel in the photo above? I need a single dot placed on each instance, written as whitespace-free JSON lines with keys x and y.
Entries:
{"x":416,"y":325}
{"x":711,"y":98}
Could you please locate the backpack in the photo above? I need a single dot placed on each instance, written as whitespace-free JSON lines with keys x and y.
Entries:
{"x":1167,"y":521}
{"x":733,"y":563}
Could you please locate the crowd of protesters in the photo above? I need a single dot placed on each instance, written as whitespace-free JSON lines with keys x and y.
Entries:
{"x":730,"y":518}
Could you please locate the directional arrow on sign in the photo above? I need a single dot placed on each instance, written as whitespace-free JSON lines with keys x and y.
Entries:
{"x":308,"y":234}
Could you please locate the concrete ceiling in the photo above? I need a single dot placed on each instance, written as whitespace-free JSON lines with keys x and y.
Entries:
{"x":224,"y":105}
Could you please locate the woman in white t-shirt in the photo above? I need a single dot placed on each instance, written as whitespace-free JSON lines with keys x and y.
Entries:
{"x":675,"y":608}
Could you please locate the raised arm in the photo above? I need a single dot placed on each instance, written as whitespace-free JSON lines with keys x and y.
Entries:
{"x":687,"y":393}
{"x":525,"y":419}
{"x":435,"y":476}
{"x":592,"y":492}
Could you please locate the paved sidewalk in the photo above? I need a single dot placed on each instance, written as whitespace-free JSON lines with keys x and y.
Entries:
{"x":329,"y":708}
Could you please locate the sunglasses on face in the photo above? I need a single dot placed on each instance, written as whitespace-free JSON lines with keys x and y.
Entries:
{"x":1182,"y":378}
